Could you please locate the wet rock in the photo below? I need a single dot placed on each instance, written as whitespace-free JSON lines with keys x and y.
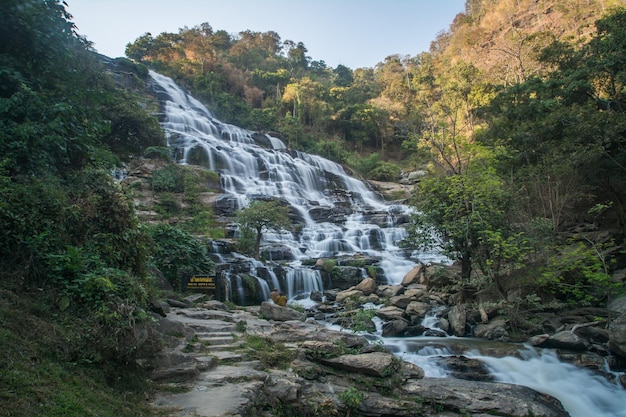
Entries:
{"x":316,"y":296}
{"x":565,"y":340}
{"x":465,"y":368}
{"x":395,"y":328}
{"x":277,"y":252}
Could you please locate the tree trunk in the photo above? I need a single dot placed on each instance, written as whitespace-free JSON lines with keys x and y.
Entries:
{"x":257,"y":242}
{"x":466,"y":266}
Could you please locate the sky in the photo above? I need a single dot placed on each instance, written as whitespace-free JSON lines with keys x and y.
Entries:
{"x":354,"y":33}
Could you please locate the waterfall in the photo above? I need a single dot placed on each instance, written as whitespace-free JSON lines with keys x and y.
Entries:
{"x":338,"y":215}
{"x":582,"y":393}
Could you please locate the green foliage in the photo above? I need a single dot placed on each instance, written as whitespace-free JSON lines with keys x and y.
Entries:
{"x":352,"y":398}
{"x":261,"y":216}
{"x":177,"y":254}
{"x":167,"y":205}
{"x":466,"y":215}
{"x":579,"y":273}
{"x":170,"y":178}
{"x":362,"y":320}
{"x":374,"y":168}
{"x":54,"y":367}
{"x":271,"y":354}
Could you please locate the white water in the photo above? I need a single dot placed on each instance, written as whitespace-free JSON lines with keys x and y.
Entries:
{"x":307,"y":182}
{"x":582,"y":393}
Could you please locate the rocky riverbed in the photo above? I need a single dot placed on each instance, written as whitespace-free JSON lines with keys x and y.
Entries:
{"x":209,"y":368}
{"x":269,"y":360}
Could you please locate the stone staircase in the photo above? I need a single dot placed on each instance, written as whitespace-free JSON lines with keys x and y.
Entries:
{"x":210,"y":365}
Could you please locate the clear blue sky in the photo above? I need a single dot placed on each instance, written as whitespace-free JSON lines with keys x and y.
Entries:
{"x":354,"y":33}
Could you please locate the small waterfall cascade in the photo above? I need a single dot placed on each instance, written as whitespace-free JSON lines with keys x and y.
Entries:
{"x":337,"y":215}
{"x":582,"y":392}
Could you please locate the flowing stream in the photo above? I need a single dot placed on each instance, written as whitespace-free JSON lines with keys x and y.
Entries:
{"x":582,"y":392}
{"x":340,"y":215}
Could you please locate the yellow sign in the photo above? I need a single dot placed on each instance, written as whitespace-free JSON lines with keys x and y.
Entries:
{"x":201,"y":282}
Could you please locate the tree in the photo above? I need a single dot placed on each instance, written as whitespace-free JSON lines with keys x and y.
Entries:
{"x":466,"y":215}
{"x":260,"y":217}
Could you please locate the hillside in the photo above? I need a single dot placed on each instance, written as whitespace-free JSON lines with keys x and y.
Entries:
{"x":503,"y":38}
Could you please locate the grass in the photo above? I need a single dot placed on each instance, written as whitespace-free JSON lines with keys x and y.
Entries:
{"x":269,"y":353}
{"x":42,"y":374}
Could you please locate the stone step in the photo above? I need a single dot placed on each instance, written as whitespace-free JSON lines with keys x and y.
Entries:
{"x":213,"y":341}
{"x":229,"y":356}
{"x":223,"y":348}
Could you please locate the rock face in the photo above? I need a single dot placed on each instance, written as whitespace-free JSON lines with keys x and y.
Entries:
{"x":617,"y":336}
{"x":487,"y":398}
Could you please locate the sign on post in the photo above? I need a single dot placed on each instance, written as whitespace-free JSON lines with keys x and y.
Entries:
{"x":204,"y":283}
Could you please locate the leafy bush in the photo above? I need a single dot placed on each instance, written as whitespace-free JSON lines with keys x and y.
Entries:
{"x":169,"y":179}
{"x":176,"y":253}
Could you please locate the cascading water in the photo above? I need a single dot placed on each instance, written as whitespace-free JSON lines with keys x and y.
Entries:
{"x":582,"y":393}
{"x":338,"y":215}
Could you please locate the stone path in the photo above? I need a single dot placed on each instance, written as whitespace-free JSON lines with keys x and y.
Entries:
{"x":215,"y":374}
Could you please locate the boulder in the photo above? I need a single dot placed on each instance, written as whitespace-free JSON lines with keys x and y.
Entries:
{"x":316,"y":296}
{"x":411,"y":371}
{"x":342,"y":296}
{"x":282,"y":388}
{"x":367,"y":286}
{"x":486,"y":398}
{"x":395,"y":328}
{"x":417,"y":308}
{"x":416,"y":290}
{"x":567,"y":340}
{"x":457,"y":317}
{"x":390,"y":290}
{"x":401,"y":301}
{"x":378,"y":364}
{"x":618,"y":305}
{"x":390,"y":313}
{"x":462,"y":367}
{"x":414,"y":276}
{"x":273,"y":311}
{"x":495,"y":329}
